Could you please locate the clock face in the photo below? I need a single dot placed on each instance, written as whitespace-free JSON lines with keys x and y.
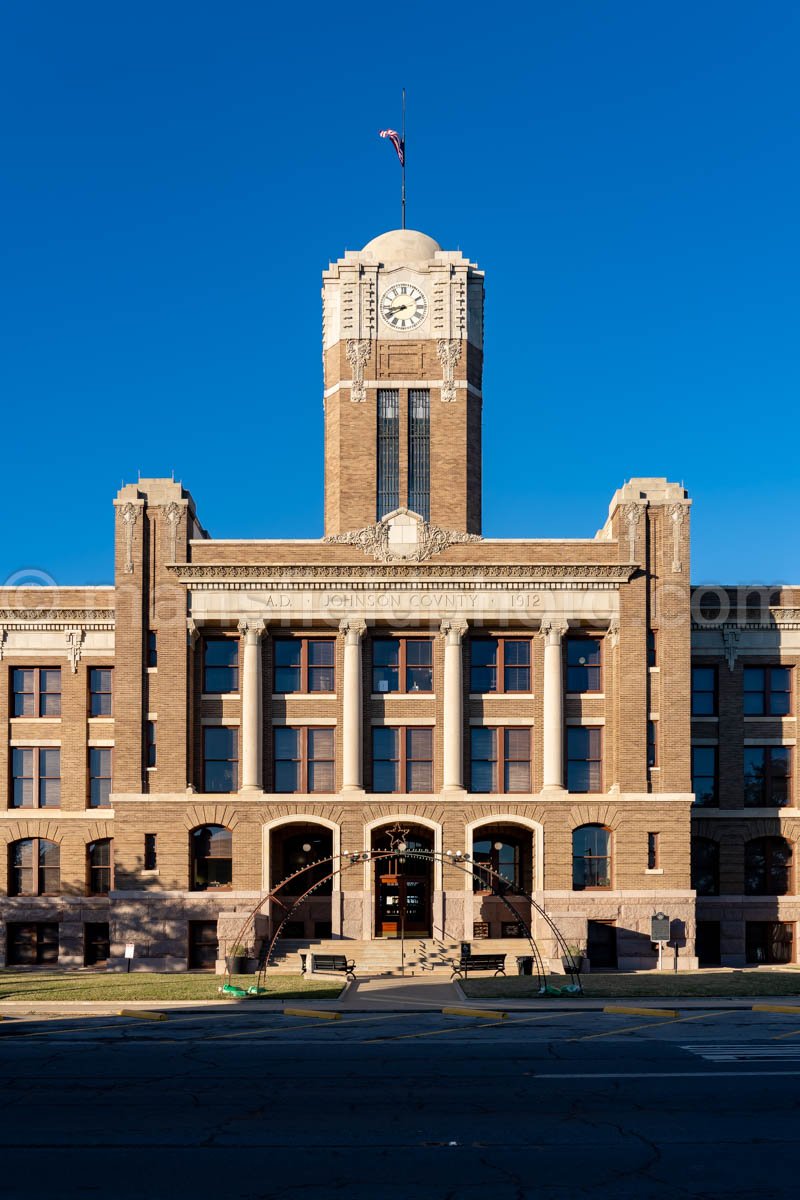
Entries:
{"x":403,"y":306}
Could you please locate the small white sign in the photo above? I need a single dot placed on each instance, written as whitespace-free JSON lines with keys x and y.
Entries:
{"x":129,"y":948}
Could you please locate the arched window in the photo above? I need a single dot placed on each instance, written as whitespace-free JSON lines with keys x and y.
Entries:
{"x":34,"y":868}
{"x":98,"y":867}
{"x":591,"y":857}
{"x":212,"y":853}
{"x":505,"y":850}
{"x":767,"y":867}
{"x":705,"y":866}
{"x":293,"y":847}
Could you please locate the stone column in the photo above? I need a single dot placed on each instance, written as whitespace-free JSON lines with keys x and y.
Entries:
{"x":453,"y":631}
{"x":352,"y":706}
{"x":553,"y":721}
{"x":252,"y":779}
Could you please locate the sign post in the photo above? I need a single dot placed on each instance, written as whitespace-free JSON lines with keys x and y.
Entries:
{"x":659,"y":932}
{"x":129,"y":949}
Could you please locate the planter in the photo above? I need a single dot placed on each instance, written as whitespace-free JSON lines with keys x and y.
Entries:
{"x":576,"y":964}
{"x":237,"y":964}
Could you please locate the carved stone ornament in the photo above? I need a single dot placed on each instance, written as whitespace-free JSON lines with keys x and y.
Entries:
{"x":74,"y":639}
{"x":448,"y":351}
{"x":730,"y":644}
{"x":174,"y":515}
{"x":785,"y":616}
{"x":632,"y":515}
{"x":553,"y":630}
{"x":454,"y":629}
{"x":358,"y":351}
{"x":130,"y":515}
{"x":3,"y":634}
{"x":402,"y":536}
{"x":353,"y":628}
{"x":613,"y":633}
{"x":571,"y":575}
{"x":250,"y":625}
{"x":677,"y":514}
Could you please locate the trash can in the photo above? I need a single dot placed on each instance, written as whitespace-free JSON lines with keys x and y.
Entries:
{"x":525,"y":964}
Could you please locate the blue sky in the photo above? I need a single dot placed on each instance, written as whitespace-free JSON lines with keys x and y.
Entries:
{"x":175,"y":176}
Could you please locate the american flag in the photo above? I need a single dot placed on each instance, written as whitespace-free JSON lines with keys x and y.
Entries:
{"x":397,"y":142}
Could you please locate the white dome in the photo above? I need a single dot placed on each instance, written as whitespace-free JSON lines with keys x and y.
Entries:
{"x":402,"y":246}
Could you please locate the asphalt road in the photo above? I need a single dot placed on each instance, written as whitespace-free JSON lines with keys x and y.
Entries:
{"x":393,"y":1107}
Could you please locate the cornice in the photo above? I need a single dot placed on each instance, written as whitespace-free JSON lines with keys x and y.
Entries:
{"x":55,"y":618}
{"x":780,"y":618}
{"x":403,"y":576}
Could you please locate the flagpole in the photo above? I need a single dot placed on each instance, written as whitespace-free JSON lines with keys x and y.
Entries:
{"x":403,"y":143}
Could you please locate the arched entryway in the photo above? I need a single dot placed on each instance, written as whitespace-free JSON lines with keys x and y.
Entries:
{"x":403,"y":884}
{"x":508,"y":848}
{"x":293,"y":846}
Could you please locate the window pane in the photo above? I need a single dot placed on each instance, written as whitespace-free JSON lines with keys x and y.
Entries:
{"x":287,"y":679}
{"x":221,"y":742}
{"x":222,"y":652}
{"x":754,"y":775}
{"x":287,"y":742}
{"x":419,"y":776}
{"x":320,"y":743}
{"x":780,"y":691}
{"x":321,"y":776}
{"x":518,"y":777}
{"x":287,"y":775}
{"x":287,"y":652}
{"x":384,"y":776}
{"x":517,"y":657}
{"x":384,"y":742}
{"x":419,"y":743}
{"x":320,"y":654}
{"x":483,"y":665}
{"x":419,"y":653}
{"x":100,"y":793}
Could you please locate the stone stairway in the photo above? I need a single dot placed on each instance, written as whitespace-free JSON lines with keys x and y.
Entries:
{"x":382,"y":957}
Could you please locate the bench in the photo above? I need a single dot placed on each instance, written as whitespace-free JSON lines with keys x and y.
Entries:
{"x":479,"y":962}
{"x":335,"y":963}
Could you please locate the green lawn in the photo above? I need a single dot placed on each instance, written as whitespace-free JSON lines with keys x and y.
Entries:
{"x":144,"y":985}
{"x":754,"y":982}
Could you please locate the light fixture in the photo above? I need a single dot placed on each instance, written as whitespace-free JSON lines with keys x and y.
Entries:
{"x":498,"y":845}
{"x":401,"y":846}
{"x":306,"y":846}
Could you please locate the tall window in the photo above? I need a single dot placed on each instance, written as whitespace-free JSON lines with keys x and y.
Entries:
{"x":767,"y":776}
{"x":419,"y":451}
{"x":402,"y":665}
{"x":304,"y":665}
{"x":591,"y":857}
{"x":705,"y":866}
{"x":767,"y":691}
{"x":584,"y":672}
{"x":34,"y":868}
{"x":705,"y":775}
{"x":652,"y":743}
{"x":652,"y":648}
{"x":704,"y":691}
{"x":99,"y":776}
{"x":36,"y":777}
{"x":150,"y":743}
{"x":150,"y":852}
{"x":37,"y":692}
{"x":220,"y":665}
{"x":767,"y":867}
{"x":98,"y":867}
{"x":388,"y":451}
{"x":500,"y":665}
{"x":100,"y":691}
{"x":32,"y":945}
{"x":500,"y":759}
{"x":212,"y":858}
{"x":220,"y":759}
{"x":304,"y":759}
{"x":584,"y":758}
{"x":402,"y":759}
{"x":152,"y":648}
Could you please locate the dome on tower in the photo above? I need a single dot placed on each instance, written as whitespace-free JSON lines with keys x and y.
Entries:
{"x":402,"y":246}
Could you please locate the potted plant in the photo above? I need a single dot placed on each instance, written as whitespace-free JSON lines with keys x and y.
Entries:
{"x":236,"y":959}
{"x":577,"y":955}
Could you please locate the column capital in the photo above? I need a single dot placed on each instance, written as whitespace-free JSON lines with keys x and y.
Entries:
{"x":251,"y":628}
{"x":454,"y":629}
{"x":553,"y":631}
{"x":353,"y":629}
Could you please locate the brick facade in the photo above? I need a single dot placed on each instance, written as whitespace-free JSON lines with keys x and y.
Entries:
{"x":628,"y":588}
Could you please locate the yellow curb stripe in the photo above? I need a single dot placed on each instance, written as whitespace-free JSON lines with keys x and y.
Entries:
{"x":142,"y":1014}
{"x":655,"y":1024}
{"x":312,"y":1012}
{"x":487,"y":1013}
{"x":792,"y":1009}
{"x":629,"y":1011}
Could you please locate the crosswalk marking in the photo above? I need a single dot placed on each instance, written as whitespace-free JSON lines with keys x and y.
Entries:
{"x":743,"y":1051}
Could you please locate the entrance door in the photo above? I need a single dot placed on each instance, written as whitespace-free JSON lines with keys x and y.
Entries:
{"x":403,"y":906}
{"x":707,"y":944}
{"x":95,"y":943}
{"x":601,"y":945}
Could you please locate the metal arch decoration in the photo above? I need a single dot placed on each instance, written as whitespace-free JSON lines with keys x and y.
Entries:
{"x":500,"y":887}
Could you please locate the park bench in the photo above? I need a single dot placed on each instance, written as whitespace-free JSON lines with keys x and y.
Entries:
{"x":334,"y":963}
{"x":479,"y":962}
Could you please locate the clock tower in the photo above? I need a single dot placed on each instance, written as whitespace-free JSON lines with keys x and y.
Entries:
{"x":403,"y":365}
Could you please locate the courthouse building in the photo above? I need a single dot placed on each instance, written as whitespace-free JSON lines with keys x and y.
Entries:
{"x":567,"y":711}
